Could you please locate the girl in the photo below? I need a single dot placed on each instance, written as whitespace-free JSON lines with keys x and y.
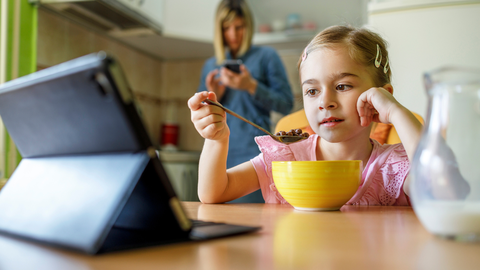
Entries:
{"x":345,"y":79}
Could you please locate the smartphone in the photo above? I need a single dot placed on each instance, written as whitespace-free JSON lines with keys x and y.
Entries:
{"x":233,"y":64}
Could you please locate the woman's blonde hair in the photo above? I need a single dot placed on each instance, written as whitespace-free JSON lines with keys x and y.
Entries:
{"x":226,"y":12}
{"x":362,"y":45}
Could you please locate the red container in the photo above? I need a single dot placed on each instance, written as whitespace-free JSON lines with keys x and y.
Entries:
{"x":169,"y":134}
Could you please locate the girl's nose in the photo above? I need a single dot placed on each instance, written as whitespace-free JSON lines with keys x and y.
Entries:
{"x":327,"y":101}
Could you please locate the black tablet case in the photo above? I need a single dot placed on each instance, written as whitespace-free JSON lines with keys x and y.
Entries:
{"x":89,"y":179}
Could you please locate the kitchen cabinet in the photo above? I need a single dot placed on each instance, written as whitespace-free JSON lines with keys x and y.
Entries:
{"x":189,"y":19}
{"x":182,"y":169}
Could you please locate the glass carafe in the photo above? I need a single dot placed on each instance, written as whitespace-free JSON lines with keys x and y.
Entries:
{"x":445,"y":172}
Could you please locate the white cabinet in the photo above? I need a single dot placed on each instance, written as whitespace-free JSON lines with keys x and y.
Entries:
{"x":189,"y":19}
{"x":182,"y":169}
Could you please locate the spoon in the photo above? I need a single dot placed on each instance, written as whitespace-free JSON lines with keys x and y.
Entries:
{"x":283,"y":139}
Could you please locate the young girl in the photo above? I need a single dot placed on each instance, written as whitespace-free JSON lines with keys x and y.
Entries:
{"x":345,"y":79}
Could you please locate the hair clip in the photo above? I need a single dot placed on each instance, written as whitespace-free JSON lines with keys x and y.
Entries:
{"x":378,"y":61}
{"x":386,"y":67}
{"x":304,"y":55}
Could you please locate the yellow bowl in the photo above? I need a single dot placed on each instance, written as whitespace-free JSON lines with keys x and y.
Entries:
{"x":317,"y":185}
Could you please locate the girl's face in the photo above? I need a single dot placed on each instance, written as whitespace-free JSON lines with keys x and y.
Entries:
{"x":233,"y":32}
{"x":331,"y":85}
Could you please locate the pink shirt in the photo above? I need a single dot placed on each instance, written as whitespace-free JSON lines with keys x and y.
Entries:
{"x":382,"y":177}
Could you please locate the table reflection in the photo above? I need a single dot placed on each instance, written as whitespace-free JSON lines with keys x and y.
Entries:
{"x":19,"y":254}
{"x":300,"y":235}
{"x":437,"y":253}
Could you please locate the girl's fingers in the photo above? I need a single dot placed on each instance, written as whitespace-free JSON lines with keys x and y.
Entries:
{"x":362,"y":109}
{"x":203,"y":122}
{"x":210,"y":121}
{"x":212,"y":96}
{"x":195,"y":102}
{"x":365,"y":119}
{"x":366,"y":109}
{"x":201,"y":110}
{"x":361,"y":103}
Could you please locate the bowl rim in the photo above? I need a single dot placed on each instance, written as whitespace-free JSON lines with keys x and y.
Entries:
{"x":318,"y":161}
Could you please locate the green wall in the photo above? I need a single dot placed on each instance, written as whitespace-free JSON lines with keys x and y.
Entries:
{"x":18,"y":44}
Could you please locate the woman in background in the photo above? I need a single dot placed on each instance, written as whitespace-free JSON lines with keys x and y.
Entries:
{"x":261,"y":86}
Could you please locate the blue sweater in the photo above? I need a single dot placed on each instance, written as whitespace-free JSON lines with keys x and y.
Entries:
{"x":273,"y":93}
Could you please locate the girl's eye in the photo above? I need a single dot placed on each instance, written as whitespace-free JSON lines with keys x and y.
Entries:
{"x":311,"y":92}
{"x":343,"y":87}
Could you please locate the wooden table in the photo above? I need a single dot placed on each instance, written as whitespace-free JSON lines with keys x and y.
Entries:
{"x":357,"y":237}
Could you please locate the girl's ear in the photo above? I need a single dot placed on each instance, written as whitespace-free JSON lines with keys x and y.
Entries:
{"x":388,"y":87}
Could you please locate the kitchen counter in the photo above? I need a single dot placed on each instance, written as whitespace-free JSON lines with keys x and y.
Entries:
{"x":179,"y":156}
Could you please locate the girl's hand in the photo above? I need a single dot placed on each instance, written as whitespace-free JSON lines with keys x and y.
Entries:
{"x":242,"y":80}
{"x":376,"y":105}
{"x":209,"y":121}
{"x":213,"y":84}
{"x":379,"y":105}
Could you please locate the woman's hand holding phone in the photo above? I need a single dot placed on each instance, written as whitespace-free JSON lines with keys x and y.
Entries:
{"x":240,"y":81}
{"x":213,"y":84}
{"x":233,"y":65}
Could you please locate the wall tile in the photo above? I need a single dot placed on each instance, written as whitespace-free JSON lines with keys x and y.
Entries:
{"x":52,"y":39}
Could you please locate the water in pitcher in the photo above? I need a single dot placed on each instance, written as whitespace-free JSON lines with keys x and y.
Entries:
{"x":445,"y":173}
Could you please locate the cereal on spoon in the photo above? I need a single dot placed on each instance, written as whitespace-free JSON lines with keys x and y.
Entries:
{"x":293,"y":132}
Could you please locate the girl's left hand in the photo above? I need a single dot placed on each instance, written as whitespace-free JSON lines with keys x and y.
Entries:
{"x":376,"y":105}
{"x":242,"y":80}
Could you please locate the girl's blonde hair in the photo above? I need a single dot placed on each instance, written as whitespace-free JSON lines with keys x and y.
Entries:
{"x":226,"y":12}
{"x":362,"y":46}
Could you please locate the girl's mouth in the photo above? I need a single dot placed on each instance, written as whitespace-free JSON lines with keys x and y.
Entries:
{"x":331,"y":121}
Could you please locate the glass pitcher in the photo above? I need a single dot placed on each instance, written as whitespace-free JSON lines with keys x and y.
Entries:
{"x":445,"y":172}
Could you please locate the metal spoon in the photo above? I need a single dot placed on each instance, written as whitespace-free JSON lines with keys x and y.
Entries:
{"x":283,"y":139}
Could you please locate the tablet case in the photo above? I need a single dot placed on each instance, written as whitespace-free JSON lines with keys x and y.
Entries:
{"x":89,"y":179}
